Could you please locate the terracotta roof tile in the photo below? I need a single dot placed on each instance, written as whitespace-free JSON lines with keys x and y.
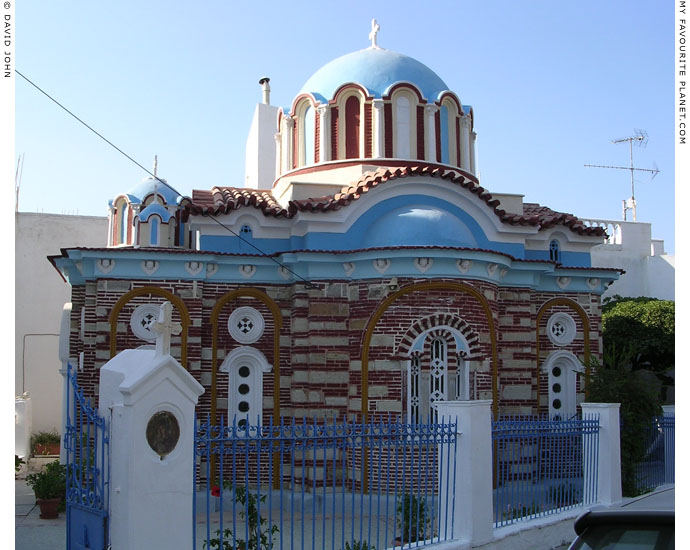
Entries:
{"x":222,"y":200}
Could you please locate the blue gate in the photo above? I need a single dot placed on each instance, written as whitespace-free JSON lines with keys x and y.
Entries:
{"x":87,"y":444}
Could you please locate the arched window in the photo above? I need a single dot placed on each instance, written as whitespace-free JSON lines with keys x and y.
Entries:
{"x":402,"y":127}
{"x":122,"y":216}
{"x":449,"y":137}
{"x":562,"y":368}
{"x":352,"y":125}
{"x":245,"y":367}
{"x":555,"y":251}
{"x":433,"y":374}
{"x":153,"y":224}
{"x":308,"y":135}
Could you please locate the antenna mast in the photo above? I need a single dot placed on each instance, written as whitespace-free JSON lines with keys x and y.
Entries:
{"x":639,"y":139}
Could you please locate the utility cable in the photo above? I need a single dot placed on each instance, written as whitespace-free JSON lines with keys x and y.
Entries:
{"x":308,"y":284}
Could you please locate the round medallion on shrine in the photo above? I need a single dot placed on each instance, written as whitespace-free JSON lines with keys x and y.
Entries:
{"x":163,"y":433}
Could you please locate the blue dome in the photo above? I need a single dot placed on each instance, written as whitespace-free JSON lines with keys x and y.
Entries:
{"x":377,"y":70}
{"x":419,"y":226}
{"x":146,"y":187}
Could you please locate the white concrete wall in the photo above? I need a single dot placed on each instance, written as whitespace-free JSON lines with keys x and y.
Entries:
{"x":40,"y":293}
{"x":647,"y":273}
{"x":260,"y":155}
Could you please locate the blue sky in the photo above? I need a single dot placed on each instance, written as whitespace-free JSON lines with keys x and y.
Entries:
{"x":551,"y":83}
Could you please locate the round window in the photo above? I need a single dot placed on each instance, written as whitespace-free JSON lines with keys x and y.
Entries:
{"x":243,"y":407}
{"x":244,"y":371}
{"x":556,"y":371}
{"x":243,"y":389}
{"x":556,"y":388}
{"x":246,"y":325}
{"x":561,"y":329}
{"x":142,"y":320}
{"x":556,"y":404}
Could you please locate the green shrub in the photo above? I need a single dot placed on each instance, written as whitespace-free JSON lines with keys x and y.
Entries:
{"x":413,"y":519}
{"x":50,"y":482}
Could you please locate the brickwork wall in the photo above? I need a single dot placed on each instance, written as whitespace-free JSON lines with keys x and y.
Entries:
{"x":322,"y":337}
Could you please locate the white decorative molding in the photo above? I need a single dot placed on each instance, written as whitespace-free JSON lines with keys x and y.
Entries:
{"x":503,"y":272}
{"x":563,"y":282}
{"x":211,"y":269}
{"x":79,"y":267}
{"x":246,"y":325}
{"x":142,"y":320}
{"x":491,"y":269}
{"x":150,"y":266}
{"x":247,"y":270}
{"x":463,"y":265}
{"x":560,"y":328}
{"x":381,"y":265}
{"x":194,"y":268}
{"x":349,"y":268}
{"x":284,"y":272}
{"x":423,"y":264}
{"x":593,"y":283}
{"x":105,"y":265}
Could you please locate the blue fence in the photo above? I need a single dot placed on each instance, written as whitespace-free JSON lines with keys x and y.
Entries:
{"x":657,"y":466}
{"x":543,"y":466}
{"x":335,"y":486}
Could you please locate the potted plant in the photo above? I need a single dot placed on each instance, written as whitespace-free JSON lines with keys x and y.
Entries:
{"x":45,"y":443}
{"x":49,"y":487}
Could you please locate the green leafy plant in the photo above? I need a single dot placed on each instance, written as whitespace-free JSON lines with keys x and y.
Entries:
{"x":18,"y":463}
{"x":260,"y":533}
{"x":413,"y":518}
{"x":49,"y":482}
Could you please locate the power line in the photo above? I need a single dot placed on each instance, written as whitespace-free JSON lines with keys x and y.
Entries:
{"x":308,"y":284}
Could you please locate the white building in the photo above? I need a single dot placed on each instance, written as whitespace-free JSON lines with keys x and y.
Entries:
{"x":649,"y":271}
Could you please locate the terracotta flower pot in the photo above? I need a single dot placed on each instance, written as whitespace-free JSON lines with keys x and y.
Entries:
{"x":48,"y":507}
{"x":47,"y":449}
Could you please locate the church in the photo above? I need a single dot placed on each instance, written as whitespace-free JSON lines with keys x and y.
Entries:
{"x":359,"y":270}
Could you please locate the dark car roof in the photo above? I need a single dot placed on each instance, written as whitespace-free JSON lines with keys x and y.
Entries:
{"x":657,"y":508}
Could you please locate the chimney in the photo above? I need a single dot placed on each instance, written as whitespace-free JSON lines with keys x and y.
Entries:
{"x":266,"y":90}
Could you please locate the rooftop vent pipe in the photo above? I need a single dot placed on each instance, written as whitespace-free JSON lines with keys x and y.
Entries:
{"x":266,"y":90}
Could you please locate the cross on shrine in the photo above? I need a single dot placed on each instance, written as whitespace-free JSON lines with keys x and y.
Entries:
{"x":165,"y":328}
{"x":372,"y":35}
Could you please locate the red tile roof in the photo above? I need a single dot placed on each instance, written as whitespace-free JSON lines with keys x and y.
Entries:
{"x":222,"y":200}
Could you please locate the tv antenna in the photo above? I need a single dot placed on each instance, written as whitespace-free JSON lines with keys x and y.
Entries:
{"x":640,"y":140}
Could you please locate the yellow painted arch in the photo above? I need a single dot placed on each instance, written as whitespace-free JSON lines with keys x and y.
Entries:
{"x":421,"y":287}
{"x":278,"y":322}
{"x":572,"y":304}
{"x":155,"y":291}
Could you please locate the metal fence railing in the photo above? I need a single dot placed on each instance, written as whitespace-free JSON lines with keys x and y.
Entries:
{"x":327,"y":486}
{"x":543,"y":466}
{"x":657,"y":466}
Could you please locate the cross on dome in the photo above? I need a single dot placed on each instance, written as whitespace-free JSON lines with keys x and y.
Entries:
{"x":374,"y":31}
{"x":165,"y":328}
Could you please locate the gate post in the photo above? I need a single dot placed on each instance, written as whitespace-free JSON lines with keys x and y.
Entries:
{"x":669,"y":424}
{"x":472,"y":483}
{"x":606,"y":472}
{"x":150,"y":398}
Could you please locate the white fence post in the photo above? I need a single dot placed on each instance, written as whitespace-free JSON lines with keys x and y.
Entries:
{"x":669,"y":445}
{"x":606,"y":472}
{"x":471,"y":485}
